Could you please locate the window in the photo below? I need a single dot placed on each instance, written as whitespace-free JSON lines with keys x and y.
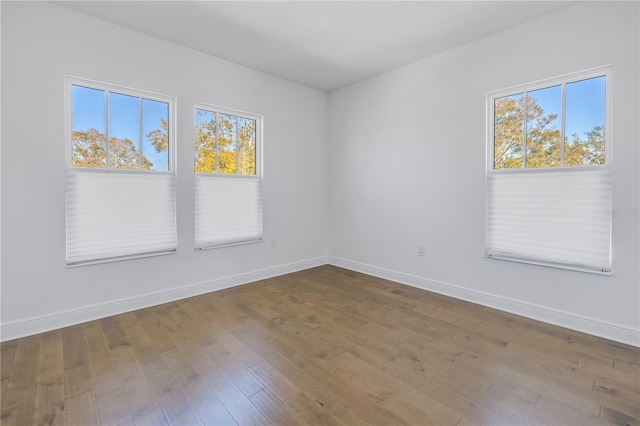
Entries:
{"x":228,"y":182}
{"x":120,"y":196}
{"x":554,"y":126}
{"x":549,"y":172}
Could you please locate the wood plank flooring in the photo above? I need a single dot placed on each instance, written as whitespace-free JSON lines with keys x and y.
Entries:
{"x":325,"y":346}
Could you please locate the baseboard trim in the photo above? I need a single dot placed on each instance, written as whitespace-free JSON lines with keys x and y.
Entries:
{"x":30,"y":326}
{"x":604,"y":329}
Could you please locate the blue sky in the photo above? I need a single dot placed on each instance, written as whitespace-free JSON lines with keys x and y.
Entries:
{"x":584,"y":104}
{"x":89,"y":112}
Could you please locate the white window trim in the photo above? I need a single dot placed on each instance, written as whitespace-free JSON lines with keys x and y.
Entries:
{"x":70,"y":81}
{"x":607,"y":72}
{"x":259,"y":118}
{"x":94,"y":84}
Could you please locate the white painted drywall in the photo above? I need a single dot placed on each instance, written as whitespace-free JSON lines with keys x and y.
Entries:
{"x":384,"y":165}
{"x":41,"y":42}
{"x":407,"y":167}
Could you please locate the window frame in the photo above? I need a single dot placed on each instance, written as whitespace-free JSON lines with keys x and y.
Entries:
{"x":603,"y":71}
{"x":258,"y":176}
{"x":71,"y":81}
{"x":71,"y":170}
{"x":240,"y":114}
{"x":491,"y":173}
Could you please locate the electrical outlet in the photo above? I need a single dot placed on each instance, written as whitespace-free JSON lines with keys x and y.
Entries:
{"x":420,"y":249}
{"x":273,"y":243}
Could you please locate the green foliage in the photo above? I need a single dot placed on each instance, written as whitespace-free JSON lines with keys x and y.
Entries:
{"x":543,"y":147}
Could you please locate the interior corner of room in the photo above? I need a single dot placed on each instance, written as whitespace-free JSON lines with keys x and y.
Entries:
{"x":355,"y":176}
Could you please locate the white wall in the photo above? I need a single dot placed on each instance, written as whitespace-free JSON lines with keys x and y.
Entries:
{"x":407,"y":166}
{"x":42,"y":42}
{"x":382,"y":166}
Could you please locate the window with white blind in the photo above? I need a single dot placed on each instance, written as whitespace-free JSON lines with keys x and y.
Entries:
{"x":120,"y":180}
{"x":228,"y":181}
{"x":549,"y":172}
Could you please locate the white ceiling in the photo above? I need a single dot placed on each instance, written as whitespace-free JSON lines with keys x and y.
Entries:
{"x":321,"y":44}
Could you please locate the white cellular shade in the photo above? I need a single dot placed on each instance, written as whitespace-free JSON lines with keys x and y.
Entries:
{"x":228,"y":209}
{"x":119,"y":214}
{"x":558,"y":217}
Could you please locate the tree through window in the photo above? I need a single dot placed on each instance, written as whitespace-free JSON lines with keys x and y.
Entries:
{"x":120,"y":178}
{"x":549,"y":173}
{"x":118,"y":131}
{"x":554,"y":126}
{"x":225,"y":143}
{"x":228,"y":179}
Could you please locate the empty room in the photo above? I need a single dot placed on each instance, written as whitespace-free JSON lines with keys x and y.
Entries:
{"x":320,"y":213}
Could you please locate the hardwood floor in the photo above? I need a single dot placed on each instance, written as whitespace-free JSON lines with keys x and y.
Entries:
{"x":325,"y":346}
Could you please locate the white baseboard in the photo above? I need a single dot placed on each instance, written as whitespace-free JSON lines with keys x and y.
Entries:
{"x":27,"y":327}
{"x":607,"y":330}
